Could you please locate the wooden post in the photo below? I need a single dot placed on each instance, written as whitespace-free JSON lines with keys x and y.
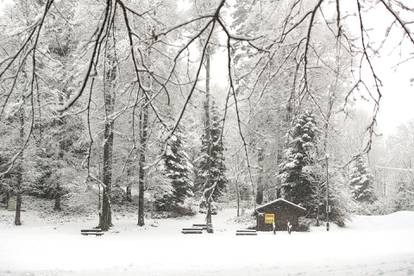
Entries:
{"x":327,"y":194}
{"x":259,"y":190}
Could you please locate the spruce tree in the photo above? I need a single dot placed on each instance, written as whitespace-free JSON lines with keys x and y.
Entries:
{"x":296,"y":173}
{"x":211,"y":168}
{"x":361,"y":182}
{"x":178,"y":170}
{"x":404,"y":199}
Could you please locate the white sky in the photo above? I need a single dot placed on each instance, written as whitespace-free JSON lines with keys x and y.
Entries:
{"x":398,"y":98}
{"x":398,"y":93}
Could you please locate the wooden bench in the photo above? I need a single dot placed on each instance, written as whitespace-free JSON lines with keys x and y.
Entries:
{"x":192,"y":230}
{"x":246,"y":232}
{"x":203,"y":226}
{"x":96,"y":232}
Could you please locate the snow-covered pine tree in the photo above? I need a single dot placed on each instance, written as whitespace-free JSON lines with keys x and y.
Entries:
{"x":404,"y":199}
{"x":296,"y":171}
{"x":361,"y":182}
{"x":211,"y":168}
{"x":178,"y":170}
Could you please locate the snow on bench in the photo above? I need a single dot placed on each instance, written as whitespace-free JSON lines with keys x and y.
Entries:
{"x":201,"y":225}
{"x":193,"y":230}
{"x":96,"y":232}
{"x":246,"y":232}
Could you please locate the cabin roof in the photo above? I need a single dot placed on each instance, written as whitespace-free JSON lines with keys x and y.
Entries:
{"x":279,"y":200}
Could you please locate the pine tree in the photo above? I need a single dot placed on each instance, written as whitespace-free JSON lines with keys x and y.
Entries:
{"x":362,"y":182}
{"x":296,"y":173}
{"x":178,"y":170}
{"x":404,"y":199}
{"x":211,"y":168}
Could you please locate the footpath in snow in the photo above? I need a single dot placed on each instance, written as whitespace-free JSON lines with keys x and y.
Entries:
{"x":376,"y":245}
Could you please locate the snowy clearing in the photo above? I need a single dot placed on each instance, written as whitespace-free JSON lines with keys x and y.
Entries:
{"x":376,"y":245}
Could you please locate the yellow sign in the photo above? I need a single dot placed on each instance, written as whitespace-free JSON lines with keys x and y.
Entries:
{"x":269,"y":218}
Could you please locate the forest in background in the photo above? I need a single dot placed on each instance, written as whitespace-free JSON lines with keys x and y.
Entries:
{"x":114,"y":102}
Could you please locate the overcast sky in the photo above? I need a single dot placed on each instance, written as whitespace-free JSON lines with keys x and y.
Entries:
{"x":398,"y":98}
{"x":398,"y":93}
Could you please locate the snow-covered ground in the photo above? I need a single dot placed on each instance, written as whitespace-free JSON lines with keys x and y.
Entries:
{"x":376,"y":245}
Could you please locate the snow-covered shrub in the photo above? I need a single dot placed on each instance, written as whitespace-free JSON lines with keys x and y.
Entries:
{"x":247,"y":219}
{"x":185,"y":209}
{"x":45,"y":187}
{"x":404,"y":198}
{"x":188,"y":208}
{"x":304,"y":224}
{"x":382,"y":206}
{"x":118,"y":195}
{"x":340,"y":200}
{"x":80,"y":203}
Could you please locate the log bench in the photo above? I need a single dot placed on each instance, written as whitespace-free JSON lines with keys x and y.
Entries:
{"x":246,"y":232}
{"x":96,"y":232}
{"x":192,"y":230}
{"x":203,"y":226}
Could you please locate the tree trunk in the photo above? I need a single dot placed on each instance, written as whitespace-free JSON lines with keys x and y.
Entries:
{"x":106,"y":218}
{"x":325,"y":147}
{"x":129,"y":193}
{"x":109,"y":102}
{"x":17,"y":216}
{"x":209,"y":182}
{"x":142,"y":153}
{"x":17,"y":220}
{"x":129,"y":174}
{"x":207,"y":100}
{"x":57,"y":206}
{"x":58,"y":193}
{"x":237,"y":197}
{"x":208,"y":217}
{"x":7,"y":198}
{"x":143,"y":135}
{"x":318,"y":195}
{"x":260,"y":188}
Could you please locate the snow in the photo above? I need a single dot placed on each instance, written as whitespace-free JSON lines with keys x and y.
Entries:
{"x":280,"y":199}
{"x":372,"y":245}
{"x":169,"y":152}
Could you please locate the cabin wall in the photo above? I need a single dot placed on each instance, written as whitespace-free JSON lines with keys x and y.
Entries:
{"x":283,"y":214}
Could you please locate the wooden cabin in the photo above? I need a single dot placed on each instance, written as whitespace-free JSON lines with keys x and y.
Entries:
{"x":279,"y":211}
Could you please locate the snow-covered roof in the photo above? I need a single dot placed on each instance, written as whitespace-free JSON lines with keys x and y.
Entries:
{"x":281,"y":200}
